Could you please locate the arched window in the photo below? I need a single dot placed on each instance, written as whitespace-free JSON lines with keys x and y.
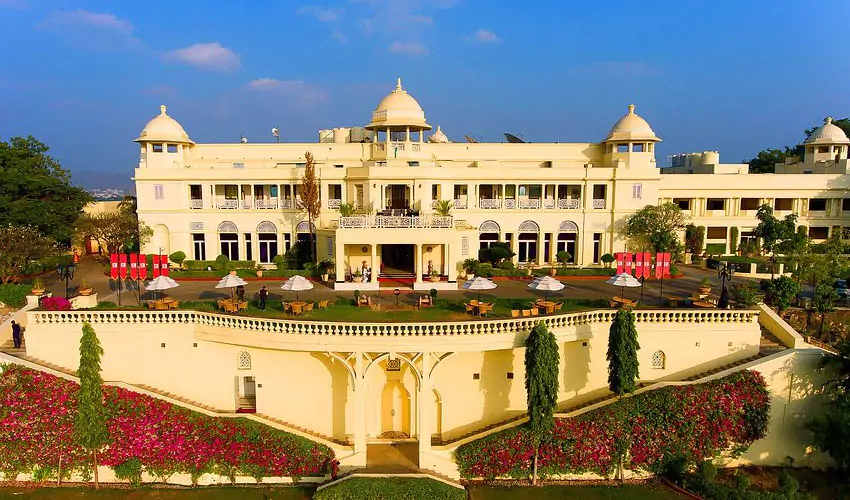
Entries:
{"x":489,"y":226}
{"x":529,"y":226}
{"x":305,"y":227}
{"x":244,"y":360}
{"x":659,"y":360}
{"x":228,"y":239}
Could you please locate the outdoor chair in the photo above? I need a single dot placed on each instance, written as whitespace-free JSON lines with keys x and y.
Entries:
{"x":161,"y":306}
{"x":559,"y":306}
{"x":150,"y":304}
{"x":323,"y":304}
{"x":514,"y":313}
{"x":308,"y":308}
{"x":243,"y":306}
{"x":287,"y":307}
{"x":535,"y":311}
{"x":470,"y":309}
{"x":526,"y":313}
{"x":230,"y":307}
{"x":174,"y":304}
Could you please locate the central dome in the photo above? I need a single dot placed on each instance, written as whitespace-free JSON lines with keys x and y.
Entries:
{"x":828,"y":133}
{"x":164,"y":128}
{"x":631,"y":127}
{"x":398,"y":109}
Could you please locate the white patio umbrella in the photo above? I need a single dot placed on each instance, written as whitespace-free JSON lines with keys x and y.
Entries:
{"x":160,"y":283}
{"x":547,"y":284}
{"x":231,"y":281}
{"x":479,"y":283}
{"x":624,"y":280}
{"x":297,"y":284}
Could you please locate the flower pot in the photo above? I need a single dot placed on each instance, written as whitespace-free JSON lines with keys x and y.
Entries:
{"x":357,"y":279}
{"x":325,"y":277}
{"x":37,"y":291}
{"x":705,"y":290}
{"x":85,"y":291}
{"x":259,"y":273}
{"x":553,"y":272}
{"x":435,"y":278}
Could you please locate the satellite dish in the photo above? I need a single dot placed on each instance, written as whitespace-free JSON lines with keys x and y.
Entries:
{"x":276,"y":134}
{"x":243,"y":140}
{"x":469,"y":139}
{"x":513,"y":139}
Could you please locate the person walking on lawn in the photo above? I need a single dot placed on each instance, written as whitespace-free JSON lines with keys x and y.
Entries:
{"x":264,"y":294}
{"x":16,"y":334}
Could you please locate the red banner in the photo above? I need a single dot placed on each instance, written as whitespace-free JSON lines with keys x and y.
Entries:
{"x":155,"y":266}
{"x":647,"y":265}
{"x":122,"y":265}
{"x":113,"y":268}
{"x":619,"y":257}
{"x":639,"y":265}
{"x":627,"y":262}
{"x":143,"y":266}
{"x":134,"y":266}
{"x":667,"y":264}
{"x":659,"y":265}
{"x":163,"y":265}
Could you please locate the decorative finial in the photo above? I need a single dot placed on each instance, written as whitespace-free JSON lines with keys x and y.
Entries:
{"x":398,"y":85}
{"x":162,"y":109}
{"x":827,"y":120}
{"x":631,"y":109}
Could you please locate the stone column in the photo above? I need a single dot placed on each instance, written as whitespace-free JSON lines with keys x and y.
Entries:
{"x":541,"y":239}
{"x":359,"y":405}
{"x":339,"y":260}
{"x":426,"y":403}
{"x":417,"y":261}
{"x":451,"y":268}
{"x":376,"y":268}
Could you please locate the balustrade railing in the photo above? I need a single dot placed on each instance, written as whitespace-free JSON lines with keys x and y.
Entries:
{"x":334,"y":203}
{"x":228,"y":204}
{"x":529,"y":204}
{"x":196,"y":204}
{"x":487,"y":203}
{"x":598,"y":203}
{"x":391,"y":221}
{"x":510,"y":203}
{"x":286,"y":204}
{"x":549,"y":203}
{"x":267,"y":204}
{"x":459,"y":203}
{"x":409,"y":329}
{"x":568,"y":204}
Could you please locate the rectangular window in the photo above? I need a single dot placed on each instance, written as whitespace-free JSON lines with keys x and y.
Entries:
{"x":819,"y":232}
{"x":823,"y":149}
{"x":716,"y":233}
{"x":335,"y":191}
{"x":156,"y":148}
{"x":199,"y":246}
{"x":599,"y":191}
{"x":750,"y":203}
{"x":331,"y":246}
{"x":172,"y":148}
{"x":683,"y":203}
{"x":268,"y":247}
{"x":845,"y":204}
{"x":249,"y":250}
{"x":229,"y":244}
{"x":413,"y":164}
{"x":195,"y":192}
{"x":637,"y":191}
{"x":783,"y":203}
{"x":338,"y":166}
{"x":287,"y":242}
{"x":622,"y":148}
{"x":817,"y":204}
{"x":597,"y":247}
{"x":715,"y":204}
{"x":637,"y":148}
{"x":159,"y":192}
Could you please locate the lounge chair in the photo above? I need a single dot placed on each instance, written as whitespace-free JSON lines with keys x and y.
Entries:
{"x":526,"y":313}
{"x":514,"y":313}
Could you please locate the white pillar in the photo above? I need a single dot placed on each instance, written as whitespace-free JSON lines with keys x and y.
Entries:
{"x":359,"y":405}
{"x":426,"y":410}
{"x":417,"y":261}
{"x":376,"y":268}
{"x":339,"y":260}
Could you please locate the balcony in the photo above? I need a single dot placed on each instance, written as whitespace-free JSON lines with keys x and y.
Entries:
{"x":334,"y":203}
{"x":488,"y":204}
{"x":390,"y":221}
{"x":510,"y":203}
{"x":529,"y":204}
{"x":599,"y":203}
{"x":228,"y":204}
{"x":266,"y":204}
{"x":196,"y":204}
{"x":549,"y":203}
{"x":568,"y":204}
{"x":459,"y":203}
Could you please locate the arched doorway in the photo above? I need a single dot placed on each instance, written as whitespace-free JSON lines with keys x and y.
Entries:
{"x":228,"y":239}
{"x":488,"y":233}
{"x":567,"y":237}
{"x":161,"y":241}
{"x":395,"y":410}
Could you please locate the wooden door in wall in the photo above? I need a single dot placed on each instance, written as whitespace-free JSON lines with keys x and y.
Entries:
{"x":395,"y":410}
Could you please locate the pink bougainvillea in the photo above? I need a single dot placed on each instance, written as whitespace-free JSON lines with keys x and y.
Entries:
{"x":694,"y":422}
{"x":37,"y":426}
{"x":55,"y":304}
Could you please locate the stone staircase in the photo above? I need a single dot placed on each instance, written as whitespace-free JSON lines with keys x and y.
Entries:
{"x":302,"y":429}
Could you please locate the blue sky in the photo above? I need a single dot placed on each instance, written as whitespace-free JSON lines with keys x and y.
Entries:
{"x":736,"y":76}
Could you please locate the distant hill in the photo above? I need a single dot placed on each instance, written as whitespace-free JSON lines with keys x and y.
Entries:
{"x":91,"y":179}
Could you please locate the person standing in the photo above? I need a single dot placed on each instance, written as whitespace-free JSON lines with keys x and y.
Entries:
{"x":240,"y":293}
{"x":264,"y":294}
{"x":16,"y":334}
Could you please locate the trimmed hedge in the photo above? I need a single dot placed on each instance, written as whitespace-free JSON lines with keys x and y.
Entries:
{"x":690,"y":423}
{"x":202,"y":265}
{"x":574,"y":271}
{"x":37,"y":413}
{"x":390,"y":488}
{"x":14,"y":295}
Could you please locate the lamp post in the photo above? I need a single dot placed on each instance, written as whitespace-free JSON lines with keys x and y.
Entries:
{"x":724,"y":272}
{"x":66,"y":273}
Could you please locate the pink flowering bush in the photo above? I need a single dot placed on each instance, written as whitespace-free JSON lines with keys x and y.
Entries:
{"x":693,"y":422}
{"x":55,"y":304}
{"x":37,"y":424}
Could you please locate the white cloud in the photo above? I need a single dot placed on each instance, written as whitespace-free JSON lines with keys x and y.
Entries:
{"x":399,"y":16}
{"x":325,"y":15}
{"x":92,"y":30}
{"x":303,"y":92}
{"x":208,"y":56}
{"x":339,"y":36}
{"x":409,"y":48}
{"x":485,"y":36}
{"x":87,"y":19}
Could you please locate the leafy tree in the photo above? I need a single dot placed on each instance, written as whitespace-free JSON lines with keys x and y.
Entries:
{"x":495,"y":253}
{"x":780,"y":292}
{"x":36,"y":190}
{"x":310,"y":199}
{"x":831,"y":429}
{"x":119,"y":230}
{"x":607,"y":259}
{"x":766,"y":160}
{"x":623,"y":365}
{"x":563,"y":257}
{"x":823,"y":301}
{"x":744,"y":294}
{"x":773,"y":231}
{"x":694,"y":239}
{"x":656,"y":227}
{"x":541,"y":383}
{"x":19,"y":246}
{"x":90,"y":423}
{"x":733,"y":240}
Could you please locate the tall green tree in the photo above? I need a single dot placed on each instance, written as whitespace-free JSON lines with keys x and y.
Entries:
{"x":119,"y":230}
{"x":766,"y":160}
{"x":36,"y":190}
{"x":541,"y":383}
{"x":623,"y":365}
{"x":311,"y":199}
{"x":823,"y":301}
{"x":831,"y":428}
{"x":656,"y":228}
{"x":90,"y":424}
{"x":773,"y":231}
{"x":19,"y":246}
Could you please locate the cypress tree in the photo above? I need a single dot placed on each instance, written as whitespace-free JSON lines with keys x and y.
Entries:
{"x":541,"y":383}
{"x":623,"y":366}
{"x":90,"y":422}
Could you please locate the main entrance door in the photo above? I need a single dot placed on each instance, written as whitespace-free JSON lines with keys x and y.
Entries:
{"x":397,"y":259}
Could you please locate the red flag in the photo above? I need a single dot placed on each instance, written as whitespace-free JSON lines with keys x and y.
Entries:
{"x":659,"y":265}
{"x":156,"y":265}
{"x":113,"y":269}
{"x":627,"y":262}
{"x":619,"y":257}
{"x":647,"y":265}
{"x":134,"y":266}
{"x":163,"y":265}
{"x":639,"y":265}
{"x":666,"y":263}
{"x":122,"y":265}
{"x":143,"y":266}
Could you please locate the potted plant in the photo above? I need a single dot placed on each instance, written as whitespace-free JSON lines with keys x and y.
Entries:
{"x":469,"y":267}
{"x":705,"y":286}
{"x":357,"y":277}
{"x":325,"y":267}
{"x":37,"y":287}
{"x":434,"y":275}
{"x":433,"y":294}
{"x":259,"y":271}
{"x":85,"y":289}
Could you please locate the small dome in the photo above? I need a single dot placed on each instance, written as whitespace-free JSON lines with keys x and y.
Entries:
{"x":164,"y":128}
{"x":631,"y":127}
{"x":438,"y":137}
{"x":828,"y":133}
{"x":398,"y":108}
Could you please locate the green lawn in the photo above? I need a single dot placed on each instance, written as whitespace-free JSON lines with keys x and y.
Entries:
{"x":624,"y":492}
{"x":391,"y":488}
{"x":219,"y":493}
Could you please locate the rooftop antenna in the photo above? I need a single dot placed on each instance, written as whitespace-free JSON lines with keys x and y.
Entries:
{"x":276,"y":134}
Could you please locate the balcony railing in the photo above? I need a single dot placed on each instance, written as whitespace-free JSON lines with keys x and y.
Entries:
{"x":490,"y":203}
{"x":529,"y":204}
{"x":286,"y":204}
{"x":549,"y":203}
{"x":459,"y":203}
{"x":568,"y":204}
{"x":267,"y":204}
{"x":334,"y":203}
{"x":434,"y":203}
{"x":510,"y":203}
{"x":389,"y":221}
{"x":196,"y":204}
{"x":598,"y":203}
{"x":228,"y":204}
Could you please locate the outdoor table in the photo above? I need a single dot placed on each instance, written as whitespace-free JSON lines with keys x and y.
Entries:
{"x":705,"y":305}
{"x":480,"y":307}
{"x":623,"y":301}
{"x":674,"y":301}
{"x":297,"y":307}
{"x":547,"y":305}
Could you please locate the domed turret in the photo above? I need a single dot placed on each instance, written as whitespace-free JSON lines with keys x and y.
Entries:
{"x":828,"y":133}
{"x":438,"y":137}
{"x":631,"y":128}
{"x":398,"y":109}
{"x":164,"y":128}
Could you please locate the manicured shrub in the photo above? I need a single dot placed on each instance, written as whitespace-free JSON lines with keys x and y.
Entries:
{"x":14,"y":295}
{"x":222,"y":263}
{"x":607,"y":259}
{"x":177,"y":257}
{"x":696,"y":422}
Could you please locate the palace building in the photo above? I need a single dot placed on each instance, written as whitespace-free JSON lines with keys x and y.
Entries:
{"x":243,"y":200}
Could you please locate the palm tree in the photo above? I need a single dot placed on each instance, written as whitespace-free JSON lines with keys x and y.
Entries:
{"x":443,"y":208}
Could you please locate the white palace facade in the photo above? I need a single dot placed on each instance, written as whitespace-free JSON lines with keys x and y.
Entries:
{"x":242,"y":200}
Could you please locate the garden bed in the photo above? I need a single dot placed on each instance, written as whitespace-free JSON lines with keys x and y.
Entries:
{"x":648,"y":491}
{"x":390,"y":488}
